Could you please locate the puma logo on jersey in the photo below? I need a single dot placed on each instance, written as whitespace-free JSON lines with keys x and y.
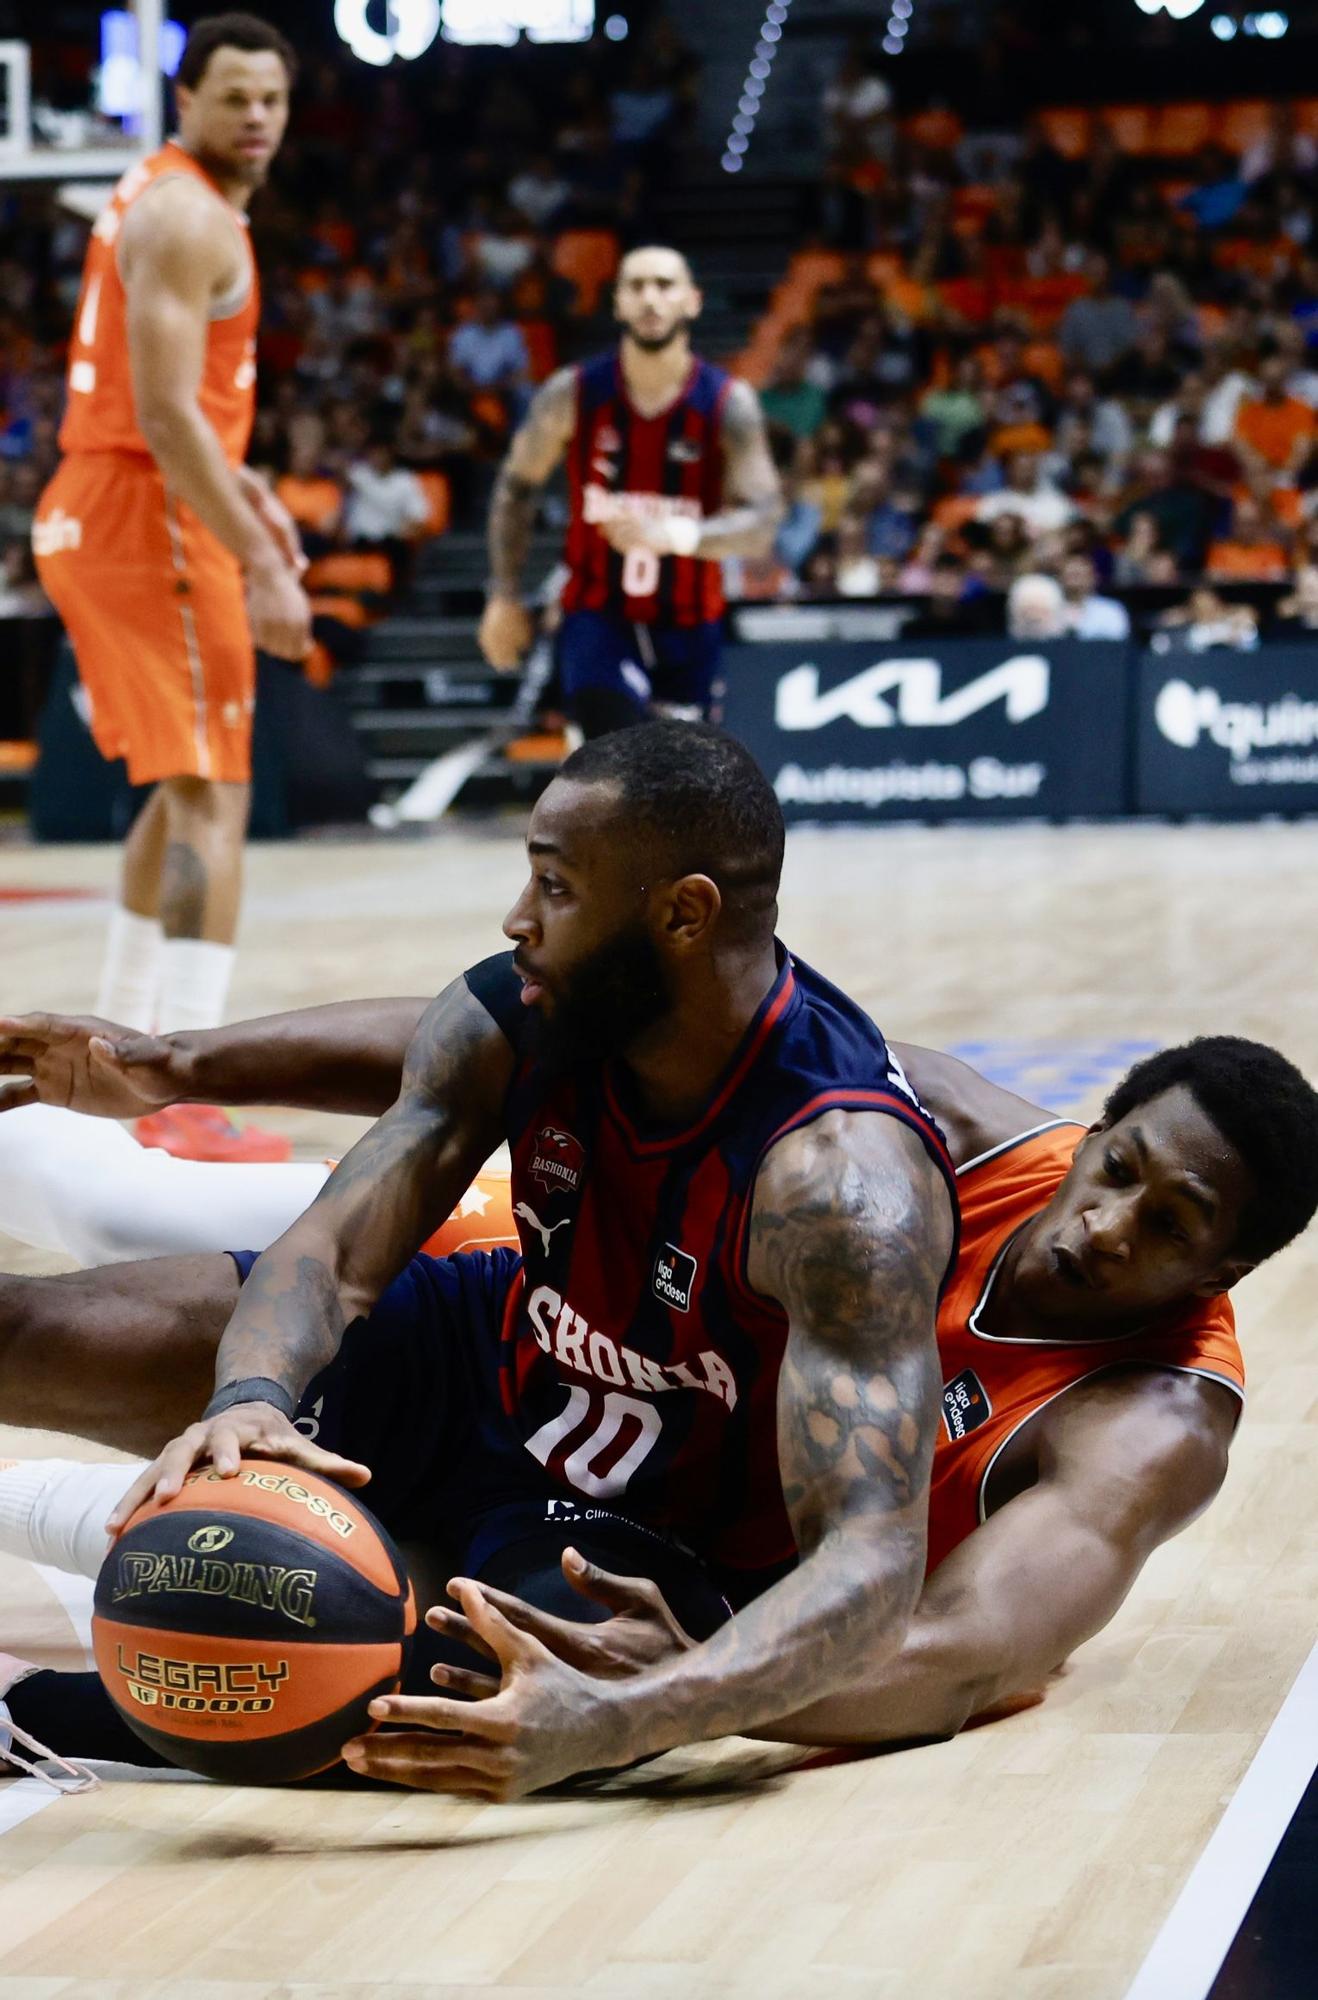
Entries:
{"x":565,"y":1335}
{"x":529,"y":1215}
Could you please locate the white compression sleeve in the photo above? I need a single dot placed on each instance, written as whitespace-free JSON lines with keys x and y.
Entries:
{"x":54,"y":1510}
{"x":84,"y":1188}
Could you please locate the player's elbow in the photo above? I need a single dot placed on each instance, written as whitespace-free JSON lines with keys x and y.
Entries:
{"x":165,"y":420}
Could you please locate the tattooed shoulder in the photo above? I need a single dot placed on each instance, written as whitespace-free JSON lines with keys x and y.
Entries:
{"x":840,"y":1204}
{"x":458,"y":1051}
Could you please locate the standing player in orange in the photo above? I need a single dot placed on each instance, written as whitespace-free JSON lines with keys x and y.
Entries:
{"x":168,"y":560}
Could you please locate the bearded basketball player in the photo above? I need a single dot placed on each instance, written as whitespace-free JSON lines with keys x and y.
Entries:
{"x":670,"y":471}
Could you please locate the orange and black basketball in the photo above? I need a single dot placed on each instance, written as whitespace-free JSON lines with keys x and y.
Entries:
{"x":243,"y":1628}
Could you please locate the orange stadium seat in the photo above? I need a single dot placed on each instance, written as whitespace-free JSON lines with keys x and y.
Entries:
{"x":351,"y":570}
{"x":953,"y":511}
{"x":589,"y":258}
{"x":439,"y":499}
{"x":1179,"y":129}
{"x":1067,"y":129}
{"x":313,"y":503}
{"x":1131,"y":125}
{"x":345,"y":610}
{"x":1243,"y":123}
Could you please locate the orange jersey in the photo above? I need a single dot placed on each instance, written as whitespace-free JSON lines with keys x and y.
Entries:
{"x":993,"y":1383}
{"x":101,"y":415}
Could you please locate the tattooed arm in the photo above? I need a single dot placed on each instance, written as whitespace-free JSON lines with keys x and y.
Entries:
{"x":347,"y":1056}
{"x":851,"y":1232}
{"x":748,"y":527}
{"x":332,"y":1265}
{"x":537,"y":448}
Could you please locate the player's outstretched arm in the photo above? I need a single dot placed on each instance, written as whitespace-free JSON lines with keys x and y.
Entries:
{"x":347,"y":1056}
{"x":1123,"y":1465}
{"x":851,"y":1231}
{"x":536,"y":450}
{"x":330,"y":1267}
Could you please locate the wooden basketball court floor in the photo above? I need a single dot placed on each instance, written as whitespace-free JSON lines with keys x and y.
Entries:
{"x":1035,"y":1858}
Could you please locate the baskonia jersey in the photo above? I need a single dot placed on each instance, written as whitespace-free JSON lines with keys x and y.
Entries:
{"x":100,"y":413}
{"x":637,"y":1363}
{"x":993,"y":1383}
{"x":623,"y":464}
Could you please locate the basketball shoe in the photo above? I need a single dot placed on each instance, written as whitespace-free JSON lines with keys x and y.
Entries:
{"x":21,"y":1754}
{"x":204,"y":1132}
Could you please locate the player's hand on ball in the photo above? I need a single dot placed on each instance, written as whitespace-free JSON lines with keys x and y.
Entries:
{"x":80,"y":1063}
{"x":546,"y":1722}
{"x":505,"y":634}
{"x":247,"y":1430}
{"x":641,"y":1633}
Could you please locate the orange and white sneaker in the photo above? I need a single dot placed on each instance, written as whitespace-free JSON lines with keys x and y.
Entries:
{"x":21,"y":1753}
{"x":204,"y":1132}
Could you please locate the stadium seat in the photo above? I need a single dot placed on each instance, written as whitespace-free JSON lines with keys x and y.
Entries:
{"x":1180,"y":129}
{"x":1244,"y":123}
{"x":1067,"y":130}
{"x":439,"y":499}
{"x":1131,"y":125}
{"x":338,"y":605}
{"x":313,"y":503}
{"x":351,"y":570}
{"x":589,"y":259}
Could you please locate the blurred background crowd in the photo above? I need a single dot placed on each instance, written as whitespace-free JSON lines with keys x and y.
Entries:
{"x":1058,"y":367}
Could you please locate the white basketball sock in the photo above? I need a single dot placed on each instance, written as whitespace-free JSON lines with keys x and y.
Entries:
{"x":54,"y":1510}
{"x":131,"y":972}
{"x":194,"y":984}
{"x":84,"y":1188}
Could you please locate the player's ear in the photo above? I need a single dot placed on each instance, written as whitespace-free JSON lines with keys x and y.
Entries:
{"x":693,"y":904}
{"x":1228,"y":1273}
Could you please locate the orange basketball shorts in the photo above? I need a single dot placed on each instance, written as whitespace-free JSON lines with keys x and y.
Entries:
{"x":153,"y":605}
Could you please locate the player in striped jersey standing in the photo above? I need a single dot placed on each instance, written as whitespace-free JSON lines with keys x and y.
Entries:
{"x":670,"y":471}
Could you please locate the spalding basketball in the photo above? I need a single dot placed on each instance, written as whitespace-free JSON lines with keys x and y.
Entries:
{"x":243,"y":1628}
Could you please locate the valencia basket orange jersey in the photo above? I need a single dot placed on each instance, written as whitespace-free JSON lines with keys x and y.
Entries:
{"x":100,"y":413}
{"x":991,"y":1382}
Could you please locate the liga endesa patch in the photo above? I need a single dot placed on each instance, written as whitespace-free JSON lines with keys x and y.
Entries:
{"x":965,"y":1404}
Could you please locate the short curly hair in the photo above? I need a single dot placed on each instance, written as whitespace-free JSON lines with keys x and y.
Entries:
{"x":1263,"y":1107}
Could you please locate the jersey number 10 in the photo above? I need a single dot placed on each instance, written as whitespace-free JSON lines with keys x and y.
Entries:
{"x":608,"y":1412}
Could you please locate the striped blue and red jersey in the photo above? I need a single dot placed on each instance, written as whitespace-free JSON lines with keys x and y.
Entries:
{"x":638,"y":1363}
{"x":622,"y":463}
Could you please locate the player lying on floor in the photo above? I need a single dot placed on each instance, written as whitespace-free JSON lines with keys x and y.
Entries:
{"x":736,"y":1221}
{"x":1086,"y":1415}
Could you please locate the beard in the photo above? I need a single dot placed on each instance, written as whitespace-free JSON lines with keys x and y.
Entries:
{"x":655,"y":343}
{"x":606,"y":1005}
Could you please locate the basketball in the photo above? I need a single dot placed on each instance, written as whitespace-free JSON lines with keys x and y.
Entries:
{"x":243,"y":1629}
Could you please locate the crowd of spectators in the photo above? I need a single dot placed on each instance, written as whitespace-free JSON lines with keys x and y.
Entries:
{"x":412,"y":293}
{"x":1089,"y":374}
{"x":1023,"y":382}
